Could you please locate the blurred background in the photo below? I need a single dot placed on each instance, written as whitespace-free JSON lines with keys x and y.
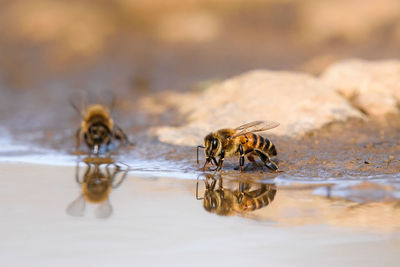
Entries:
{"x":49,"y":50}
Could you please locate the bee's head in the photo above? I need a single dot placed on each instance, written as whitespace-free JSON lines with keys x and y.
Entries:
{"x":212,"y":146}
{"x":99,"y":133}
{"x":211,"y":201}
{"x":214,"y":202}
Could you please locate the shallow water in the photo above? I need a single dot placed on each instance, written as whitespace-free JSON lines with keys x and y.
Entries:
{"x":161,"y":216}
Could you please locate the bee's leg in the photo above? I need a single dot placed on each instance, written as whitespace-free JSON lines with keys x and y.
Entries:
{"x":272,"y":166}
{"x":85,"y":175}
{"x":241,"y":159}
{"x":251,"y":158}
{"x":241,"y":192}
{"x":121,"y":136}
{"x":109,"y":175}
{"x":221,"y":187}
{"x":117,"y":170}
{"x":220,"y":182}
{"x":208,"y":160}
{"x":221,"y":160}
{"x":213,"y":182}
{"x":121,"y":179}
{"x":267,"y":161}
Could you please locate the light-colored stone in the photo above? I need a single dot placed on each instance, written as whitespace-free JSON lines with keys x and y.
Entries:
{"x":373,"y":87}
{"x":298,"y":101}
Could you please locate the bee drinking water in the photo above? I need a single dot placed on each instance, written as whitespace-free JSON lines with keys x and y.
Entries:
{"x":98,"y":129}
{"x":241,"y":141}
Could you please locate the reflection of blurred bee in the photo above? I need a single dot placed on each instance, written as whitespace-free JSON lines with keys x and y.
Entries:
{"x":245,"y":198}
{"x":98,"y":129}
{"x":96,"y":186}
{"x":241,"y":141}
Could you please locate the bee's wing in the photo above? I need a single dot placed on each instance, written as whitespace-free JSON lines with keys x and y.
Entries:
{"x":255,"y":126}
{"x":77,"y":207}
{"x":74,"y":106}
{"x":104,"y":210}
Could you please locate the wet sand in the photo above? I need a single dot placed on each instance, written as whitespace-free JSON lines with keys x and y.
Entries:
{"x":159,"y":221}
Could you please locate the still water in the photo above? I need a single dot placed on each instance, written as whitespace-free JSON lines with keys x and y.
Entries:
{"x":58,"y":209}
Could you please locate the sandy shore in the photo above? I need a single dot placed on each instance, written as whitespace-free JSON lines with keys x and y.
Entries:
{"x":158,"y":221}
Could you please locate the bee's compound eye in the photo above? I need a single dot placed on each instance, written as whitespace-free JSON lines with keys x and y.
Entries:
{"x":214,"y":143}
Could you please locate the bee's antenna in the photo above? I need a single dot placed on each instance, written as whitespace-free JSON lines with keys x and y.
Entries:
{"x":113,"y":102}
{"x":76,"y":108}
{"x":198,"y":153}
{"x":85,"y":96}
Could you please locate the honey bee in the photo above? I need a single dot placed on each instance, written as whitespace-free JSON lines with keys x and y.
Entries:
{"x":246,"y":198}
{"x":96,"y":186}
{"x":98,"y":129}
{"x":241,"y":141}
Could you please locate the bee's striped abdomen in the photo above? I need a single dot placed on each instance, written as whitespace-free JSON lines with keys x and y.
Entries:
{"x":258,"y":142}
{"x":260,"y":199}
{"x":269,"y":147}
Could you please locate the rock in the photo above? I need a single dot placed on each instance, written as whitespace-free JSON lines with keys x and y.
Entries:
{"x":298,"y":101}
{"x":373,"y":87}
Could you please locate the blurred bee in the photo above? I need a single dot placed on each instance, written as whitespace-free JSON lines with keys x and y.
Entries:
{"x":247,"y":197}
{"x":96,"y":185}
{"x":98,"y":129}
{"x":241,"y":141}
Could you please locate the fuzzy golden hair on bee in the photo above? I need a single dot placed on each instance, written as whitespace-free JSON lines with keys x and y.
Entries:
{"x":96,"y":189}
{"x":225,"y":206}
{"x":97,"y":129}
{"x":241,"y":141}
{"x":97,"y":113}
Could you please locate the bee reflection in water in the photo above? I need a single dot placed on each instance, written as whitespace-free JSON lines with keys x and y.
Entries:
{"x":101,"y":175}
{"x":240,"y":199}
